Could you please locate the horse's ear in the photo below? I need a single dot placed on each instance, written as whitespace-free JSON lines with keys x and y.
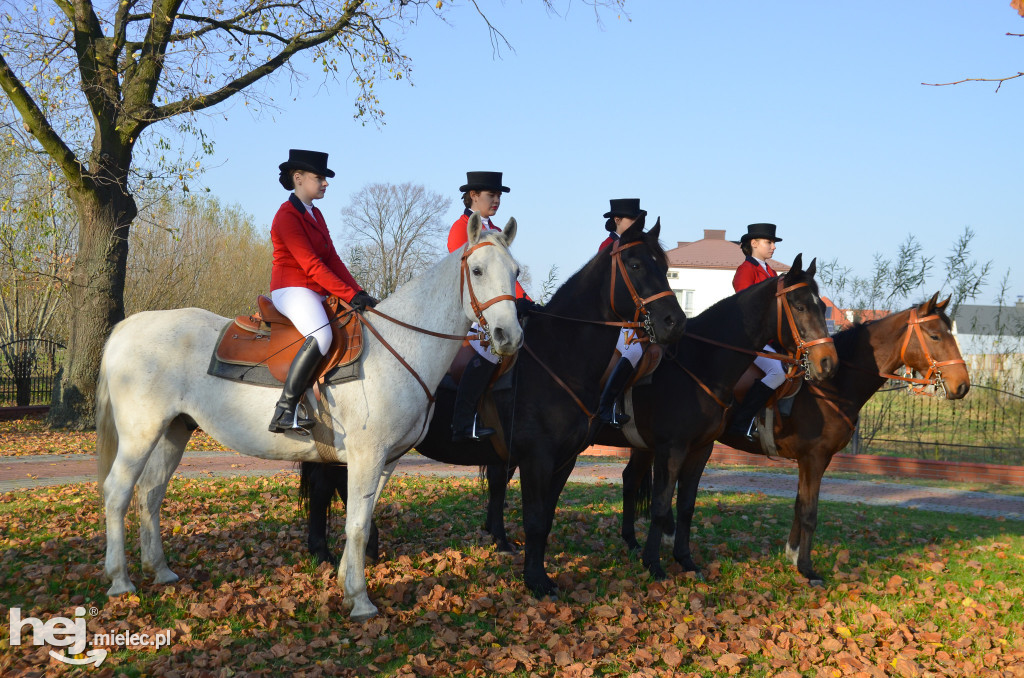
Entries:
{"x":473,"y":228}
{"x":656,"y":231}
{"x":941,"y":306}
{"x":812,"y":268}
{"x":798,"y":265}
{"x":929,"y":306}
{"x":508,"y":234}
{"x":635,"y":230}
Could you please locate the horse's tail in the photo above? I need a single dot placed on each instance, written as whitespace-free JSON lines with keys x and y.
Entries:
{"x":643,"y":493}
{"x":322,"y":482}
{"x":106,"y":431}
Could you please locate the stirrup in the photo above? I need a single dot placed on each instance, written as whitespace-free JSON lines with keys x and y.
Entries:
{"x":473,"y":434}
{"x":618,"y":419}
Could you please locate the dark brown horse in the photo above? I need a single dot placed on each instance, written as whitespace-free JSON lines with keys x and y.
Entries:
{"x":681,"y":412}
{"x":823,"y":416}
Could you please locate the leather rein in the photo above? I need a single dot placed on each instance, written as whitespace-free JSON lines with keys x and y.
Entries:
{"x":465,"y":280}
{"x":933,"y":377}
{"x":798,"y":361}
{"x":618,"y":269}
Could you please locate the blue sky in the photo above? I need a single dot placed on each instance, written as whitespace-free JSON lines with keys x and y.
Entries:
{"x":806,"y":114}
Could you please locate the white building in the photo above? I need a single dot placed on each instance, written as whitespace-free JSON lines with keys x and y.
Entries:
{"x":701,"y":272}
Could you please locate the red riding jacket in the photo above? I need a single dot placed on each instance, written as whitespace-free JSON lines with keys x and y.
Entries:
{"x":304,"y":255}
{"x":750,"y":273}
{"x":457,"y":237}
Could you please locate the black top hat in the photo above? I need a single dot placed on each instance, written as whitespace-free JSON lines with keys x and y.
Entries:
{"x":766,"y":231}
{"x":625,"y":207}
{"x":484,"y":181}
{"x":311,"y":161}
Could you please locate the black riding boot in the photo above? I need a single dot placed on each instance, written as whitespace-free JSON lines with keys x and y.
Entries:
{"x":471,"y":389}
{"x":746,"y":412}
{"x":299,"y":376}
{"x":613,"y":388}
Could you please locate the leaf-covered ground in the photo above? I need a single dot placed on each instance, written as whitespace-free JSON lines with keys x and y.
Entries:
{"x":29,"y":437}
{"x":909,"y":593}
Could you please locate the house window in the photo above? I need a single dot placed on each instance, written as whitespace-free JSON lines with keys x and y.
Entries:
{"x":672,"y":275}
{"x":685,"y":298}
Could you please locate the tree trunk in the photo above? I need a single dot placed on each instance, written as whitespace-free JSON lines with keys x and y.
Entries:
{"x":97,"y":299}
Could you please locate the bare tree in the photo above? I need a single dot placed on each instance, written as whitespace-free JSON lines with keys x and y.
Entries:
{"x":193,"y":251}
{"x":35,"y":248}
{"x":393,"y":232}
{"x":85,"y":81}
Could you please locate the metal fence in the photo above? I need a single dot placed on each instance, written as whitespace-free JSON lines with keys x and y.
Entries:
{"x":28,"y":370}
{"x":986,"y":426}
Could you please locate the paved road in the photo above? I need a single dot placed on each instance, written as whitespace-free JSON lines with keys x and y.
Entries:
{"x":28,"y":472}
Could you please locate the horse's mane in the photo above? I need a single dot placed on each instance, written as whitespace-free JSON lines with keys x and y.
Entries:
{"x":848,"y":336}
{"x":583,"y":278}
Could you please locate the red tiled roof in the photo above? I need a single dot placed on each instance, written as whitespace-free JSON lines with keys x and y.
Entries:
{"x":713,"y":252}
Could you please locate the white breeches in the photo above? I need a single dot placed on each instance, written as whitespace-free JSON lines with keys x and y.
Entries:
{"x":305,"y":308}
{"x":774,"y":371}
{"x":629,"y":346}
{"x":482,"y":350}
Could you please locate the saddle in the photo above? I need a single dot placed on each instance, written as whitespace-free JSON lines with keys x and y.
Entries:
{"x":269,"y":340}
{"x":649,"y":362}
{"x":778,"y":406}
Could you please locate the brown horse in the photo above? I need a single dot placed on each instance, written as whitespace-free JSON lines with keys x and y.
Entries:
{"x":823,"y":417}
{"x":681,"y":412}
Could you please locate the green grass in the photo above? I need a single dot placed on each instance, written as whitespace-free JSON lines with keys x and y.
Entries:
{"x":940,"y":591}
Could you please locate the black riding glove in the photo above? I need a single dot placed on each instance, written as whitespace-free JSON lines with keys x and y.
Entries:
{"x":361,"y":301}
{"x":524,"y":306}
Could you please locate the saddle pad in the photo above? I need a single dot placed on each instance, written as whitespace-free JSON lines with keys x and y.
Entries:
{"x":260,"y":374}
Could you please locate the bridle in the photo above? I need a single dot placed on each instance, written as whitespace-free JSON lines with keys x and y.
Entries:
{"x":801,"y":357}
{"x":466,"y":280}
{"x":619,"y":268}
{"x":933,"y":377}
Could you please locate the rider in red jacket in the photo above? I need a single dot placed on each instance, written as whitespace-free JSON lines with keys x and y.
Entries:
{"x":758,"y":243}
{"x":481,"y":193}
{"x":306,"y":268}
{"x":622,"y":214}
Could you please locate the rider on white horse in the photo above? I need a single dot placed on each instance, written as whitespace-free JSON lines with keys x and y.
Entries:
{"x":306,"y":268}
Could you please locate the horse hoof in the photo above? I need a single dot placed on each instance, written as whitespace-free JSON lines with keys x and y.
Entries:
{"x":816,"y":582}
{"x":165,"y":576}
{"x":363,"y":614}
{"x":120,"y":588}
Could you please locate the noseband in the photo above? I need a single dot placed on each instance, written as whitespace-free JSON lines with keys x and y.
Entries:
{"x":619,"y":268}
{"x":801,"y":359}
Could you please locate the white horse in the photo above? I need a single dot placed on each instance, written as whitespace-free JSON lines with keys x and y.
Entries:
{"x":153,"y":390}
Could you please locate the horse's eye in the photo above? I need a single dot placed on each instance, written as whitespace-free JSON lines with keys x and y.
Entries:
{"x":934,"y":337}
{"x":799,"y":307}
{"x":477,"y":271}
{"x":635,"y":266}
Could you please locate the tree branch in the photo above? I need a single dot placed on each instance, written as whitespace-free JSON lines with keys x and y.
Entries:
{"x":39,"y":127}
{"x":957,"y":82}
{"x":200,"y":102}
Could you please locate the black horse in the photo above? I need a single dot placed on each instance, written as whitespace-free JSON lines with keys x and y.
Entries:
{"x":548,"y":424}
{"x":697,"y":377}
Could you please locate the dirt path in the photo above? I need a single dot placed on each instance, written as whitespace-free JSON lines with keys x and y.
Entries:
{"x":28,"y":472}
